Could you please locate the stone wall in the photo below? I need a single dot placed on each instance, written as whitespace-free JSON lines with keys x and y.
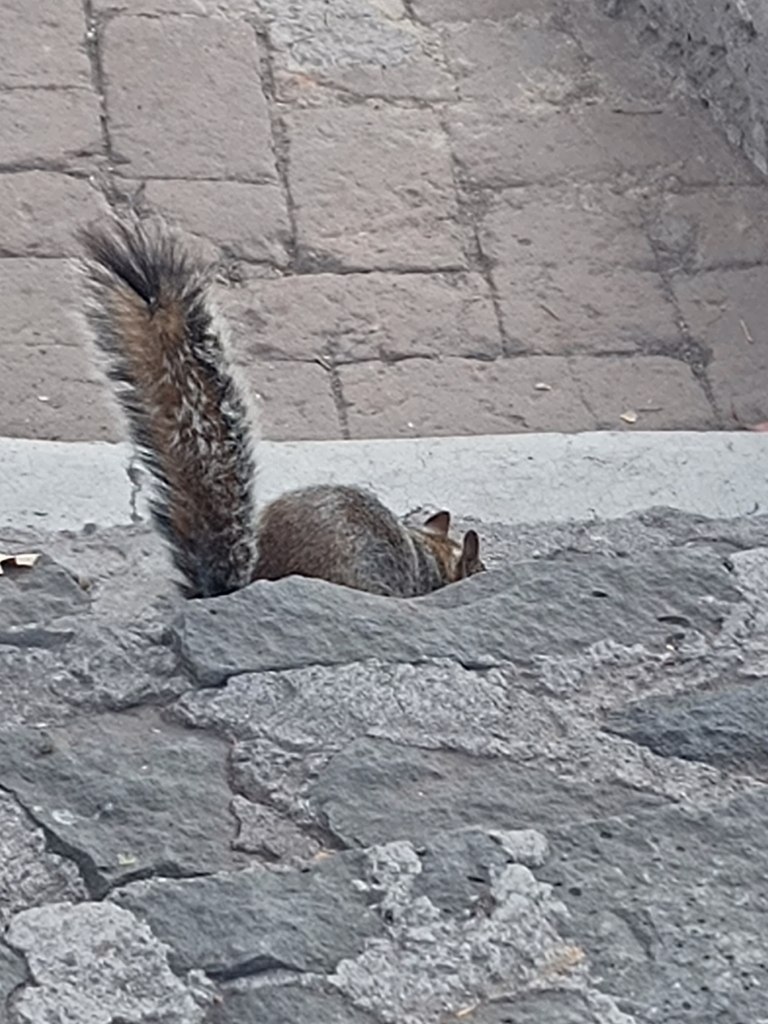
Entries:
{"x":721,"y":47}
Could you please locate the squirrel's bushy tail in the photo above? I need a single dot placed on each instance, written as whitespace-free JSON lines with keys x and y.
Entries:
{"x":188,"y":416}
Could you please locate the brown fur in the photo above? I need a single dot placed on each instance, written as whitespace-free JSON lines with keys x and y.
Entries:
{"x":189,"y":419}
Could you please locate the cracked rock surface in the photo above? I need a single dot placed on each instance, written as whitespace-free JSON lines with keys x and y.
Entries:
{"x":537,"y":796}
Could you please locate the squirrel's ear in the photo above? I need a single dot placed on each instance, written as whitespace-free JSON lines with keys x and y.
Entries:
{"x":469,"y":562}
{"x":438,"y":523}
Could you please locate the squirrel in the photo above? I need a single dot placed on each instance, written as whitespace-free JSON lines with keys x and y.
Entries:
{"x":190,"y":420}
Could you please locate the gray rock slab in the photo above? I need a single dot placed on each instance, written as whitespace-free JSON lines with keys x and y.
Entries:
{"x":354,"y":166}
{"x":13,"y":973}
{"x":285,"y":1004}
{"x":125,"y":795}
{"x":728,"y":728}
{"x":565,"y":1007}
{"x":30,"y":875}
{"x":185,"y":100}
{"x":670,"y":908}
{"x":33,"y":597}
{"x":96,"y":964}
{"x":245,"y":922}
{"x":535,"y":608}
{"x":374,"y":791}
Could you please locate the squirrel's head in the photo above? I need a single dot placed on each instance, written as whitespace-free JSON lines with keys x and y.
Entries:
{"x":456,"y":560}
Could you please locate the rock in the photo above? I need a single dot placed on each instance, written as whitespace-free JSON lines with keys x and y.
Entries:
{"x":29,"y":873}
{"x":231,"y":924}
{"x":285,"y":1004}
{"x":125,"y":795}
{"x":374,"y":791}
{"x":406,"y":976}
{"x":13,"y":973}
{"x":323,"y":707}
{"x":728,"y":728}
{"x":33,"y":598}
{"x":265,"y":832}
{"x":536,"y":607}
{"x":95,"y":964}
{"x":670,"y":908}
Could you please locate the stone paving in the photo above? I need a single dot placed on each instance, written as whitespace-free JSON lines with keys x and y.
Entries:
{"x":429,"y":216}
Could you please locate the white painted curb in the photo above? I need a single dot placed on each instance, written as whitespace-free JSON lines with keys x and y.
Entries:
{"x":517,"y":478}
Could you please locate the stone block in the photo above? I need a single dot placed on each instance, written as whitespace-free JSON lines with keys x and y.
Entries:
{"x":58,"y":128}
{"x":355,"y":317}
{"x":422,"y":397}
{"x":45,"y":50}
{"x":676,"y":143}
{"x":720,"y":49}
{"x":574,"y":273}
{"x":727,"y":312}
{"x":431,"y":11}
{"x":651,"y":392}
{"x":248,"y":222}
{"x":373,"y":190}
{"x":362,"y":48}
{"x":95,"y":963}
{"x":294,"y":401}
{"x":47,"y":374}
{"x":184,"y":99}
{"x":724,"y":226}
{"x":41,"y":211}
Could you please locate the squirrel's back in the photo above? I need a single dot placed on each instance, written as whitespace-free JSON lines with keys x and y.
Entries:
{"x":191,"y":422}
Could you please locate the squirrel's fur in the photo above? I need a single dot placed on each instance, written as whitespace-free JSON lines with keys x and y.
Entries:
{"x":189,"y":418}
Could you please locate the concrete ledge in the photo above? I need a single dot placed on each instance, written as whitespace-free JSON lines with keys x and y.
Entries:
{"x":519,"y":478}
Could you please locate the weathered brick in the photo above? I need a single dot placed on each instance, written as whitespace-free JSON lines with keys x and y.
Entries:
{"x":423,"y":397}
{"x":47,"y":49}
{"x":55,"y":127}
{"x":184,"y":99}
{"x":294,"y":401}
{"x":709,"y":228}
{"x":366,"y":49}
{"x":49,"y":387}
{"x":373,"y":189}
{"x":354,"y":317}
{"x":662,"y":393}
{"x":574,"y":273}
{"x":246,"y":221}
{"x":40,"y":212}
{"x":727,"y":312}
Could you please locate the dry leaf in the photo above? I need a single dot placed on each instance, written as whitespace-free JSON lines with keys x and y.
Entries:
{"x":629,"y":416}
{"x":22,"y":561}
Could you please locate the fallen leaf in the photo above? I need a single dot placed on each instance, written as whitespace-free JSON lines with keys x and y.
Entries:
{"x":22,"y":561}
{"x":629,"y":416}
